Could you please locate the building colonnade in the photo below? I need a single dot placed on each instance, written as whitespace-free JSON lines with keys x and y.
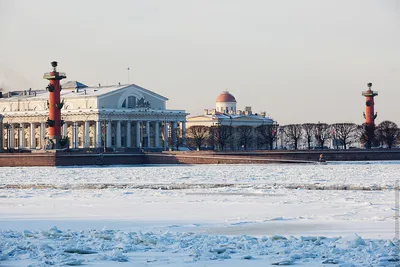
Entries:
{"x":112,"y":133}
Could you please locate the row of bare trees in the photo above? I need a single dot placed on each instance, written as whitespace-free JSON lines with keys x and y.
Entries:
{"x":387,"y":133}
{"x":222,"y":137}
{"x":313,"y":135}
{"x":320,"y":133}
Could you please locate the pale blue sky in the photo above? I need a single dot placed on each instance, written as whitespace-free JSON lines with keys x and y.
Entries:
{"x":301,"y":61}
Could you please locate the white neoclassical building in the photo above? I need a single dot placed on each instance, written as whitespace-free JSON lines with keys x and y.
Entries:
{"x":119,"y":116}
{"x":226,"y":113}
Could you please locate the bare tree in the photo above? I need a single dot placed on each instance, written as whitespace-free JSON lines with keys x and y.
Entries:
{"x":176,"y":139}
{"x":345,"y":132}
{"x":222,"y":135}
{"x":322,"y":134}
{"x":245,"y":134}
{"x":198,"y":134}
{"x":294,"y":133}
{"x":268,"y":134}
{"x":309,"y":132}
{"x":210,"y":139}
{"x":367,"y":135}
{"x":388,"y":133}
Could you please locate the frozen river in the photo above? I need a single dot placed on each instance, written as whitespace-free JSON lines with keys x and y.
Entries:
{"x":194,"y":215}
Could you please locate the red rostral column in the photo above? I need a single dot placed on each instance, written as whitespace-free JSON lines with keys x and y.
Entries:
{"x":54,"y":104}
{"x":370,"y":114}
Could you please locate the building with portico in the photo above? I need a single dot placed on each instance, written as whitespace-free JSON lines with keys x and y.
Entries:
{"x":244,"y":125}
{"x":226,"y":113}
{"x":117,"y":116}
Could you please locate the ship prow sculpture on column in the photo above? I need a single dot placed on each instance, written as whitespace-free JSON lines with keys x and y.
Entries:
{"x":54,"y":121}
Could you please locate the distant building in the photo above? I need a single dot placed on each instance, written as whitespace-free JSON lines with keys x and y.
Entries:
{"x":226,"y":113}
{"x":243,"y":132}
{"x":122,"y":116}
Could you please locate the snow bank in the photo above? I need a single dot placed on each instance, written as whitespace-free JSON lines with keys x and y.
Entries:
{"x":58,"y":247}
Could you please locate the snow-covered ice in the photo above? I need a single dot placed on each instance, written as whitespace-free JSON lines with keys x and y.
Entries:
{"x":201,"y":215}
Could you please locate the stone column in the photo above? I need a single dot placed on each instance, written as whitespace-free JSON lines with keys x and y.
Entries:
{"x":75,"y":133}
{"x":33,"y":139}
{"x":42,"y":135}
{"x":174,"y":133}
{"x":118,"y":134}
{"x":109,"y":125}
{"x":98,"y":134}
{"x":65,"y":129}
{"x":22,"y":135}
{"x":148,"y":133}
{"x":166,"y":134}
{"x":184,"y":133}
{"x":128,"y":134}
{"x":12,"y":136}
{"x":86,"y":138}
{"x":138,"y":143}
{"x":157,"y":134}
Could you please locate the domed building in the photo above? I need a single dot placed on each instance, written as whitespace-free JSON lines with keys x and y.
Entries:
{"x":225,"y":103}
{"x":226,"y":113}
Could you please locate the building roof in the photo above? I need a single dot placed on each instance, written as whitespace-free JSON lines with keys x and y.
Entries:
{"x":81,"y":91}
{"x":226,"y":97}
{"x":223,"y":116}
{"x":73,"y":85}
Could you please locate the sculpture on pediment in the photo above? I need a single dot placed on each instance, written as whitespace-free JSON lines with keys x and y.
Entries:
{"x":143,"y":103}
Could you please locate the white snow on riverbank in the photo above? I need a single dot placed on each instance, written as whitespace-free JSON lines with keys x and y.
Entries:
{"x":208,"y":215}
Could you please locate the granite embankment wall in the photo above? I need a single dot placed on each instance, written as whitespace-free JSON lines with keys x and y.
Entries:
{"x":193,"y":157}
{"x":329,"y":155}
{"x":99,"y":159}
{"x":68,"y":159}
{"x":27,"y":159}
{"x":207,"y":158}
{"x":257,"y":157}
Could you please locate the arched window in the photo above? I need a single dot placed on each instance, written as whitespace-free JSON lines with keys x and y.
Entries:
{"x":129,"y":102}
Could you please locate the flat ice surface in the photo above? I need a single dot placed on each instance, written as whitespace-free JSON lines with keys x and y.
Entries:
{"x":201,"y":215}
